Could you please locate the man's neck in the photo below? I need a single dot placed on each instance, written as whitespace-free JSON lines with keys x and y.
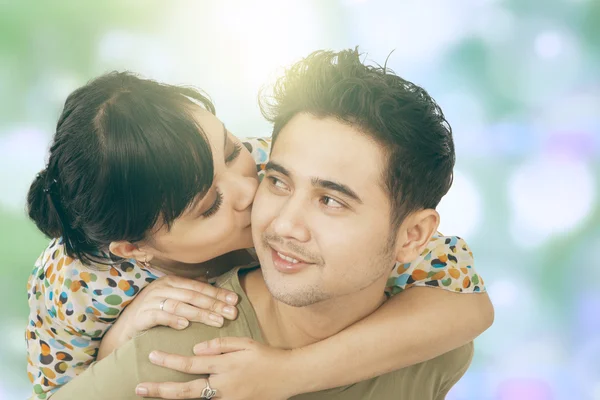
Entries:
{"x":285,"y":326}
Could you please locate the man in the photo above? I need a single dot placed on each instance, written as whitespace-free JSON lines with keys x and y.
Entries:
{"x":360,"y":160}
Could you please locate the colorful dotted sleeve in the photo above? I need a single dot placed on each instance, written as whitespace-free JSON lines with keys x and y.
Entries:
{"x":260,"y":148}
{"x":71,"y":307}
{"x":446,"y":262}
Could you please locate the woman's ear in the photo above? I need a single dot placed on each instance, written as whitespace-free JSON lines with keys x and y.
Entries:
{"x":125,"y":249}
{"x":414,"y":233}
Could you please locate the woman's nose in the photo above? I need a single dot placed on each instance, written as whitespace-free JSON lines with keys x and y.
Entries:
{"x":245,"y":190}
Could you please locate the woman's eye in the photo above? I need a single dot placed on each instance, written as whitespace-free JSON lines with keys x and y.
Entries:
{"x":331,"y":203}
{"x":215,"y":206}
{"x":237,"y":148}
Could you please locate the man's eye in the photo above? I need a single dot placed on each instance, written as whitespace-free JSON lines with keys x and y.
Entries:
{"x":331,"y":203}
{"x":277,"y":183}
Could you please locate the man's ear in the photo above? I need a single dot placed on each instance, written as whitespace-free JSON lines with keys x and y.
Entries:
{"x":414,"y":233}
{"x":125,"y":249}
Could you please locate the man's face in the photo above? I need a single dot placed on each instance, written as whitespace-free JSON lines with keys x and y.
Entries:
{"x":321,"y":219}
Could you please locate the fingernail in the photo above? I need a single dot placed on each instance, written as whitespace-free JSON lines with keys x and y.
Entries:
{"x":182,"y":322}
{"x":228,"y":310}
{"x":140,"y":390}
{"x":199,"y":347}
{"x":216,"y":318}
{"x":231,"y":298}
{"x":153,"y":357}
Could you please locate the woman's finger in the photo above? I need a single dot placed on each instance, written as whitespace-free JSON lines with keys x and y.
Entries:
{"x":173,"y":390}
{"x":178,"y":297}
{"x":223,"y":345}
{"x":156,"y":317}
{"x":191,"y":313}
{"x":187,"y":364}
{"x":204,"y":288}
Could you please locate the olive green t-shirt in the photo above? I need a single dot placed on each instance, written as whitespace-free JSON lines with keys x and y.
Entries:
{"x":117,"y":375}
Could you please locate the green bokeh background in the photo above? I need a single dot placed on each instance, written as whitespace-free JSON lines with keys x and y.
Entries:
{"x":518,"y":80}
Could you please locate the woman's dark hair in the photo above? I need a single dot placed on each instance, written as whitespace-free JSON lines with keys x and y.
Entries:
{"x":128,"y":153}
{"x":398,"y":114}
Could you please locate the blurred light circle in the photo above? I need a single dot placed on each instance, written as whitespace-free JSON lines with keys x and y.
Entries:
{"x":461,"y":209}
{"x":525,"y":389}
{"x":548,"y":196}
{"x":503,"y":293}
{"x":549,"y":44}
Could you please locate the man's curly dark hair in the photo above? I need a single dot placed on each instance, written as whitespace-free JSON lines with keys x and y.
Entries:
{"x":399,"y":115}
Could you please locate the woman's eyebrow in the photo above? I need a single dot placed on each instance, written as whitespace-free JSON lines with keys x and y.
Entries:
{"x":224,"y":138}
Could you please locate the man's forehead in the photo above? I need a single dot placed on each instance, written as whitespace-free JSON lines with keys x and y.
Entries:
{"x":327,"y":149}
{"x":328,"y":137}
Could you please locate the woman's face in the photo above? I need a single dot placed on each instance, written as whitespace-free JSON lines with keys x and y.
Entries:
{"x":219,"y":222}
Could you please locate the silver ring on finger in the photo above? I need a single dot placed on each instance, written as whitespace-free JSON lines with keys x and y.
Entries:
{"x":208,"y":392}
{"x":162,"y":305}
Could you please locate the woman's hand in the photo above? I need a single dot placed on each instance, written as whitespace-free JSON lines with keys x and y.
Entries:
{"x":239,"y":368}
{"x":170,"y":301}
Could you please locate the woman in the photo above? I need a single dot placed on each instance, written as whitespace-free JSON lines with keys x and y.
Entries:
{"x":146,"y":189}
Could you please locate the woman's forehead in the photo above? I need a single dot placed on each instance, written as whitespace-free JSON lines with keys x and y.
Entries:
{"x":212,"y":127}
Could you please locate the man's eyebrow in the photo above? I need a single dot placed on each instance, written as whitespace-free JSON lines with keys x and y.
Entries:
{"x":338,"y":187}
{"x":318,"y":182}
{"x":273,"y":166}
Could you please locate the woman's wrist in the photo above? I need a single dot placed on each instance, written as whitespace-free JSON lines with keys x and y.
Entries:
{"x":301,"y":378}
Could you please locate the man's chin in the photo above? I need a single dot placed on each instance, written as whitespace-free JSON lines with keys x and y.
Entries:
{"x":285,"y":289}
{"x":297,"y":300}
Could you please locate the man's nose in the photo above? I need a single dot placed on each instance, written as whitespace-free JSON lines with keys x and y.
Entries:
{"x":291,"y":222}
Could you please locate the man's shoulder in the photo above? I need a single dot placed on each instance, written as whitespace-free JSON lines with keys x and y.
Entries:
{"x":182,"y":342}
{"x":429,"y":380}
{"x":438,"y":375}
{"x":168,"y":340}
{"x":454,"y":361}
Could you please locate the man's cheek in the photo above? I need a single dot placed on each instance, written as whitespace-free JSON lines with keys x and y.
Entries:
{"x":262,"y":215}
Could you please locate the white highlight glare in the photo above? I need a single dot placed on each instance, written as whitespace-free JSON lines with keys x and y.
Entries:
{"x":549,"y":196}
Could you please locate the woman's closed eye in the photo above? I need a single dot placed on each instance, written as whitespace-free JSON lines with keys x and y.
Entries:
{"x":215,"y":206}
{"x":237,"y":148}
